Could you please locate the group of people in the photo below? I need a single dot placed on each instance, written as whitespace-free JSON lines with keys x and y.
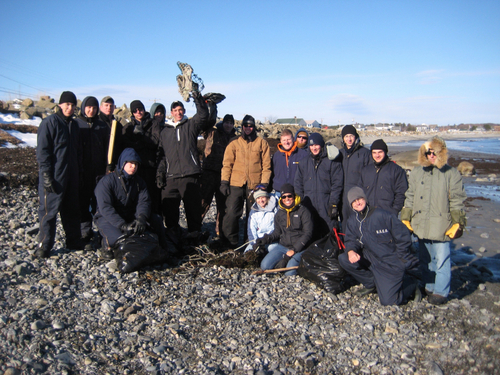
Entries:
{"x":152,"y":166}
{"x":300,"y":194}
{"x":366,"y":191}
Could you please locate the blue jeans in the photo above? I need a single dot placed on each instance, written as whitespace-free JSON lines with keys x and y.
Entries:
{"x":435,"y":264}
{"x":276,"y":253}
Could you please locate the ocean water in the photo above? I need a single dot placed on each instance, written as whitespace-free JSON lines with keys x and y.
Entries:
{"x":480,"y":145}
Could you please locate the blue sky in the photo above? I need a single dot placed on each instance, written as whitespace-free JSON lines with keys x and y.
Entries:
{"x":434,"y":62}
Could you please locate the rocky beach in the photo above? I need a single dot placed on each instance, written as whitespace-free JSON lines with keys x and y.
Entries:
{"x":74,"y":314}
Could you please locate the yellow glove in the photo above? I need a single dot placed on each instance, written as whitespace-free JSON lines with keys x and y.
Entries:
{"x":408,"y":225}
{"x":452,"y":232}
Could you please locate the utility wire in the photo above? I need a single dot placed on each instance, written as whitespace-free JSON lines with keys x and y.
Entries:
{"x":13,"y":80}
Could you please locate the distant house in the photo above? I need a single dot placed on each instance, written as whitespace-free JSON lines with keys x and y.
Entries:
{"x":313,"y":124}
{"x":422,"y":128}
{"x":291,"y":121}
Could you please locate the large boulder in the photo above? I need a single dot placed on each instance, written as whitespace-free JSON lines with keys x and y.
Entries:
{"x":46,"y":104}
{"x":27,"y":102}
{"x":466,"y":169}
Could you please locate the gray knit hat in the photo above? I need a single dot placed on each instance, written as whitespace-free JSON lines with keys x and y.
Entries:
{"x":355,"y":193}
{"x":260,"y":193}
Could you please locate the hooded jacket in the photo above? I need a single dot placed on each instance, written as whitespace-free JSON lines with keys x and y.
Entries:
{"x":285,"y":164}
{"x":247,"y":161}
{"x":93,"y":143}
{"x":435,"y":196}
{"x":320,"y":180}
{"x":385,"y":185}
{"x":297,"y":133}
{"x":144,"y":138}
{"x":215,"y":146}
{"x":261,"y":220}
{"x":293,"y":227}
{"x":179,"y":143}
{"x":122,"y":198}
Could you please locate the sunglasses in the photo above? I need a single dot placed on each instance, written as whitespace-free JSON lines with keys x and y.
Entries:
{"x":430,"y":153}
{"x":302,"y":136}
{"x":287,"y":196}
{"x":247,"y":125}
{"x":138,"y":110}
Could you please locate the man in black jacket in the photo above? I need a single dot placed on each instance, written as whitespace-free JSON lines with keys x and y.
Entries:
{"x":142,"y":134}
{"x":57,"y":157}
{"x":377,"y":252}
{"x":93,"y":144}
{"x":179,"y":171}
{"x":106,"y":110}
{"x":216,"y":141}
{"x":123,"y":205}
{"x":318,"y":182}
{"x":354,"y":157}
{"x":383,"y":180}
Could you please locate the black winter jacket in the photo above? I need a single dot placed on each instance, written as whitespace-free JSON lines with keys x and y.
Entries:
{"x":57,"y":149}
{"x":298,"y":233}
{"x":145,"y":143}
{"x":118,"y":146}
{"x":93,"y":143}
{"x":352,"y":164}
{"x":385,"y":185}
{"x":321,"y":181}
{"x":122,"y":198}
{"x":179,"y":142}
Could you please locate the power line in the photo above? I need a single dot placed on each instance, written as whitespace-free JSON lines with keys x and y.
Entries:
{"x":9,"y":91}
{"x":13,"y":80}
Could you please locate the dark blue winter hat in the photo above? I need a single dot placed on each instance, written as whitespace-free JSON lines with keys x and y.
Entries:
{"x":316,"y":139}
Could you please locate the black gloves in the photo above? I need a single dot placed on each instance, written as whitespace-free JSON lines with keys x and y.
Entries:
{"x":140,"y":225}
{"x":334,"y":212}
{"x":260,"y":242}
{"x":161,"y":180}
{"x":110,"y":168}
{"x":48,"y":182}
{"x":127,"y":228}
{"x":224,"y":188}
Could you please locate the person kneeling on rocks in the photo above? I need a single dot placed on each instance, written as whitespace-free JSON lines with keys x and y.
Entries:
{"x":293,"y":229}
{"x":124,"y":205}
{"x":378,"y":252}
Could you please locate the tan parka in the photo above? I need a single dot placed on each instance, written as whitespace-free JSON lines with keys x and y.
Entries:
{"x":247,"y":163}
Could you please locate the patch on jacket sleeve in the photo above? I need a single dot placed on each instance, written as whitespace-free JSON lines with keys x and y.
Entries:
{"x":382,"y":231}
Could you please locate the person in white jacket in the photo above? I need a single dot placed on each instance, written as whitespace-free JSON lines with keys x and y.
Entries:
{"x":262,"y":213}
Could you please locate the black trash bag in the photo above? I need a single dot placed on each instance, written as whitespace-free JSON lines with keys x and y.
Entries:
{"x":133,"y":252}
{"x":320,"y":264}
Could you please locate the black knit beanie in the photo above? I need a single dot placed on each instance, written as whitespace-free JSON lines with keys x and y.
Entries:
{"x":349,"y":129}
{"x":379,"y":144}
{"x":135,"y":105}
{"x":92,"y":102}
{"x":67,"y":97}
{"x":228,"y":118}
{"x":287,"y":188}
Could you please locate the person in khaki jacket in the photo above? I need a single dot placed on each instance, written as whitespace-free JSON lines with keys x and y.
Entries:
{"x":434,"y":212}
{"x":246,"y":165}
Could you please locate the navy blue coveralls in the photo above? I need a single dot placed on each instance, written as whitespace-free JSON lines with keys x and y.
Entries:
{"x":57,"y":155}
{"x":383,"y":242}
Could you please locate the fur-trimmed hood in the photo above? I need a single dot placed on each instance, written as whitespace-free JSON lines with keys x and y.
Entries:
{"x":439,"y":146}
